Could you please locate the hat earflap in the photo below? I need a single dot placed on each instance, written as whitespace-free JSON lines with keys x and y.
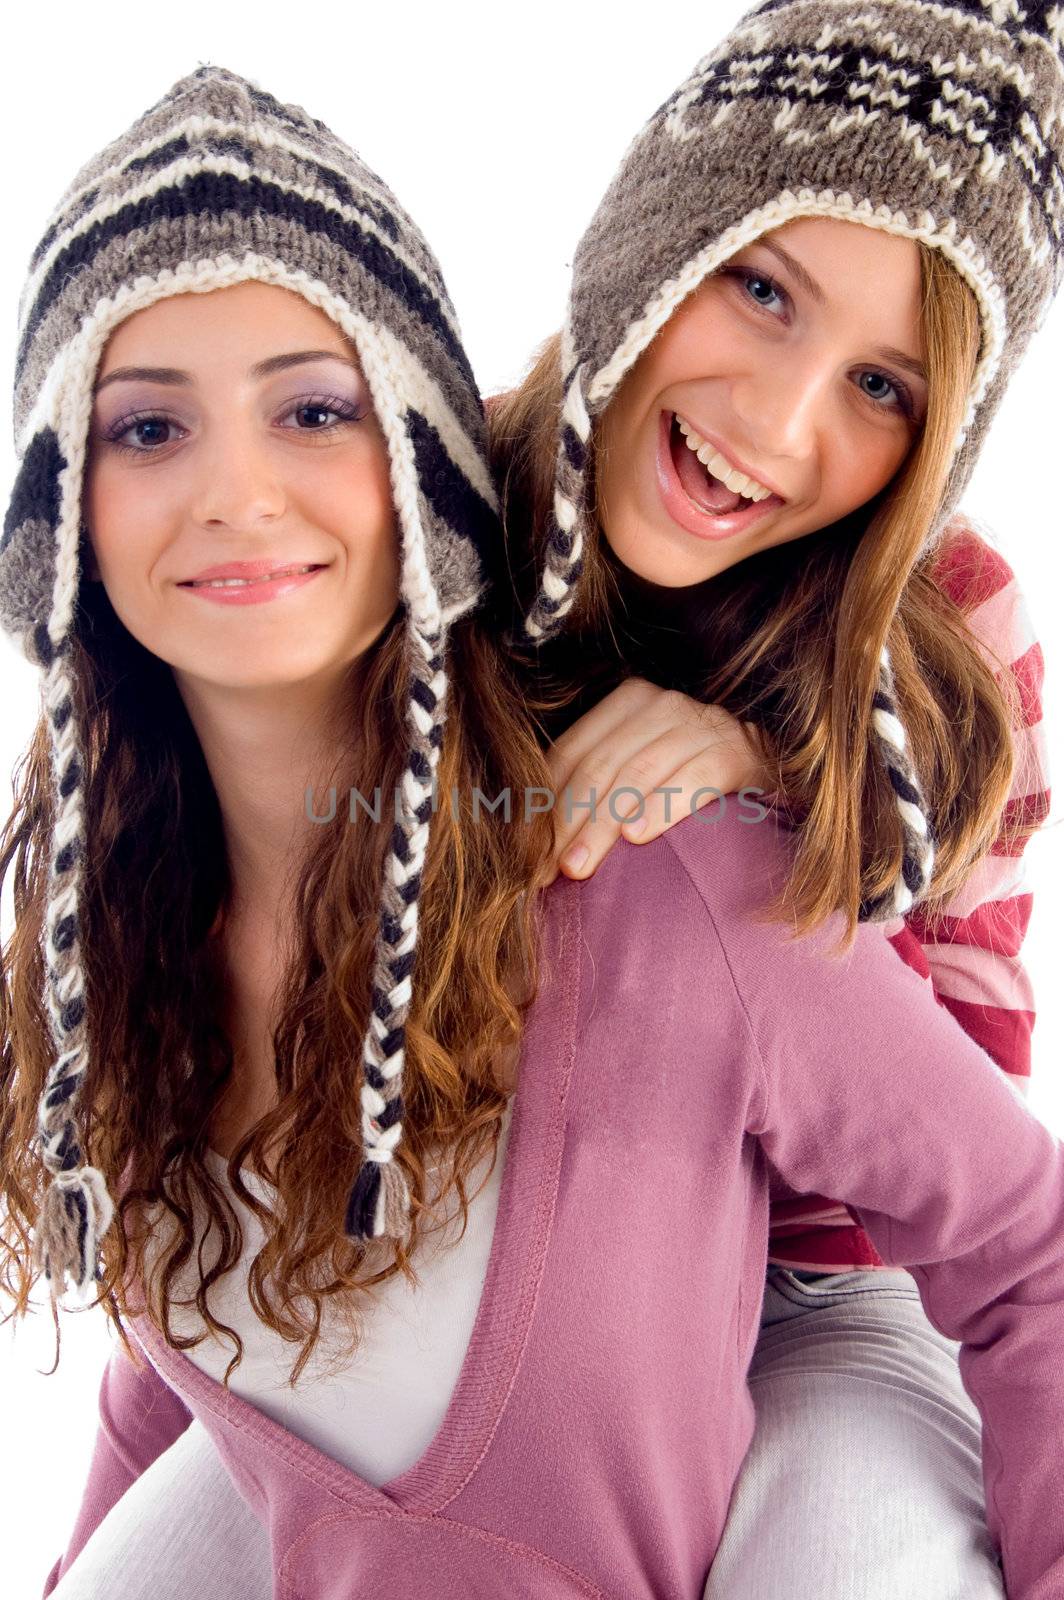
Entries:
{"x":379,"y":1203}
{"x":564,"y":556}
{"x":41,"y":537}
{"x":918,"y":849}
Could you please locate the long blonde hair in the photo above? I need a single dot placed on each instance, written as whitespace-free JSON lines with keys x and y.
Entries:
{"x":791,"y":640}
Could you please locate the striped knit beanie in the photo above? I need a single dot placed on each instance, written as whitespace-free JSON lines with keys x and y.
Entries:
{"x":215,"y":184}
{"x":938,"y":122}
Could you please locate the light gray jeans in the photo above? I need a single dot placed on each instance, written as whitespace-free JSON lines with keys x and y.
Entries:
{"x":863,"y":1480}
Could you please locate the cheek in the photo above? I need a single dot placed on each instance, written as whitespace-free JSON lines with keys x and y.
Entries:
{"x":865,"y":467}
{"x":700,"y":335}
{"x":352,"y":500}
{"x":124,"y":519}
{"x":615,"y":440}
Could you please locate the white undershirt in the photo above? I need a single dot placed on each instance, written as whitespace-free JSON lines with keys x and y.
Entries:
{"x":379,"y":1410}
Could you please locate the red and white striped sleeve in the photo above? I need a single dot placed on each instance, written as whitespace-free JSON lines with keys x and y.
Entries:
{"x":971,"y":952}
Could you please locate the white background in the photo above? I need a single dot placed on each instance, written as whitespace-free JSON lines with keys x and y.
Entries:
{"x":498,"y":131}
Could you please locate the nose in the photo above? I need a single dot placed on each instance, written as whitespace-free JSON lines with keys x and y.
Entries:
{"x":785,"y":406}
{"x":238,"y":483}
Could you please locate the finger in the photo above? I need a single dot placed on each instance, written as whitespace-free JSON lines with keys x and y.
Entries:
{"x":635,"y":703}
{"x":712,"y":786}
{"x":664,"y":783}
{"x":637,"y":753}
{"x":589,"y":823}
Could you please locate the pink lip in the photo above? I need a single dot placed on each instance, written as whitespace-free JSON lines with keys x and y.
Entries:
{"x":245,"y":569}
{"x":681,"y":507}
{"x":266,"y":588}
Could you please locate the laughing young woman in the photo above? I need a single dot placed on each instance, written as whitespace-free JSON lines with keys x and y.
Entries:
{"x":790,"y":322}
{"x":257,"y":1079}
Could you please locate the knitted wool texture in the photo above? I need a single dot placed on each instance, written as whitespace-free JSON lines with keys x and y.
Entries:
{"x":215,"y":184}
{"x":943,"y":123}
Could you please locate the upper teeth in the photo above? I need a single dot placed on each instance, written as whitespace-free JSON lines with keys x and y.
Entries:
{"x":715,"y":463}
{"x":230,"y":583}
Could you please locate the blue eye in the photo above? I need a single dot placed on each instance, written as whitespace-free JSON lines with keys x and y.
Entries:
{"x":759,"y":277}
{"x":904,"y":401}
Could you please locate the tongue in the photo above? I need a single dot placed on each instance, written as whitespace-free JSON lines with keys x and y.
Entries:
{"x":706,"y":491}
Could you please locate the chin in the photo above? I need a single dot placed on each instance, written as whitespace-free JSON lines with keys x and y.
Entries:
{"x":664,"y":567}
{"x":270,"y":671}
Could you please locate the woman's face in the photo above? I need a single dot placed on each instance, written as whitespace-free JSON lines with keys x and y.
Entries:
{"x":232,"y":433}
{"x":807,"y":386}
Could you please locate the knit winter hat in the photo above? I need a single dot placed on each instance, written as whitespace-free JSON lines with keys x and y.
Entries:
{"x":215,"y":184}
{"x":939,"y":122}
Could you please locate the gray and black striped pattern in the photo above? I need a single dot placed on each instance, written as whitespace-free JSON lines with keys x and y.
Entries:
{"x":938,"y":122}
{"x":215,"y":184}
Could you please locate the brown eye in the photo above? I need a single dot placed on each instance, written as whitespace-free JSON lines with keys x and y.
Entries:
{"x":311,"y":409}
{"x":150,"y":429}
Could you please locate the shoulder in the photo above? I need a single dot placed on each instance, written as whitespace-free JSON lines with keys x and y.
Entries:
{"x":971,"y":571}
{"x":735,"y":853}
{"x":706,"y":885}
{"x":679,"y":931}
{"x":789,"y":987}
{"x":974,"y":574}
{"x":727,"y":854}
{"x":967,"y":565}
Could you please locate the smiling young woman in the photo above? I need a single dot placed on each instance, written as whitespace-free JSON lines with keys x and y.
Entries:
{"x":280,"y":458}
{"x":245,"y":421}
{"x":775,"y":621}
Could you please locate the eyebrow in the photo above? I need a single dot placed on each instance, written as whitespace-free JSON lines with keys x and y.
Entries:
{"x":261,"y":369}
{"x":815,"y":292}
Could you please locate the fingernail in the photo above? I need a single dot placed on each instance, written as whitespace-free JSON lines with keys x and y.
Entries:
{"x":633,"y":829}
{"x":575,"y":858}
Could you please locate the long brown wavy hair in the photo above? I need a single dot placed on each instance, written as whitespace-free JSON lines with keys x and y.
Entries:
{"x":789,"y":641}
{"x":157,"y":892}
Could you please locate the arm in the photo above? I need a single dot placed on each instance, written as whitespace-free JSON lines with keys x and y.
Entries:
{"x":971,"y":950}
{"x":140,"y":1417}
{"x":868,"y":1089}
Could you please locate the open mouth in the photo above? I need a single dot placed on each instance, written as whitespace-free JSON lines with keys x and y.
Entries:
{"x":694,"y":496}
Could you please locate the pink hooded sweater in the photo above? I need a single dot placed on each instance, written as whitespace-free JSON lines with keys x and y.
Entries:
{"x":678,"y":1049}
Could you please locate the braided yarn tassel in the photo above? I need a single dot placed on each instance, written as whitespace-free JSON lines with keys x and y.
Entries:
{"x":918,"y":856}
{"x":77,"y":1209}
{"x":564,"y":554}
{"x":380,"y":1200}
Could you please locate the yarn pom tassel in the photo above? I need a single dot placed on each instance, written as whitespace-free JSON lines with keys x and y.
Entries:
{"x":380,"y":1201}
{"x":75,"y":1214}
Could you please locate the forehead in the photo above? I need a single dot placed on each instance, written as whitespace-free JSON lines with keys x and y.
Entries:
{"x":222,"y":321}
{"x":825,"y":236}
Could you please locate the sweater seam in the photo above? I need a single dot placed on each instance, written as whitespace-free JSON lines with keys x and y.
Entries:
{"x":516,"y":1547}
{"x":758,"y":1058}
